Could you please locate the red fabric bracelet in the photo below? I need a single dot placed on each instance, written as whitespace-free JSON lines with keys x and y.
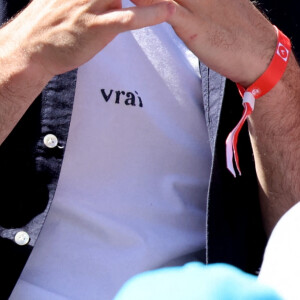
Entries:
{"x":259,"y":88}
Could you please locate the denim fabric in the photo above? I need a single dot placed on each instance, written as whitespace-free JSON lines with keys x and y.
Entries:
{"x":29,"y":170}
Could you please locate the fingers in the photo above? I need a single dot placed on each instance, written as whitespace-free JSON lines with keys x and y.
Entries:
{"x":138,"y":17}
{"x":184,"y":3}
{"x":177,"y":18}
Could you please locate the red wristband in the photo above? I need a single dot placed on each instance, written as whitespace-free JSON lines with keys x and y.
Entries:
{"x":259,"y":88}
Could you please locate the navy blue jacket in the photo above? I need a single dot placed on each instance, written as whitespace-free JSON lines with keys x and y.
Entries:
{"x":29,"y":173}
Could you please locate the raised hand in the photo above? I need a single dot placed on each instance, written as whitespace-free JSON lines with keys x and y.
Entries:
{"x":233,"y":38}
{"x":230,"y":36}
{"x":59,"y":35}
{"x":54,"y":36}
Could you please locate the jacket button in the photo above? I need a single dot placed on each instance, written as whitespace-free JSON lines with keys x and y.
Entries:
{"x":50,"y":140}
{"x":22,"y":238}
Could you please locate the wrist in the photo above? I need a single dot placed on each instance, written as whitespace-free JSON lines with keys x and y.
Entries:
{"x":283,"y":96}
{"x":260,"y":57}
{"x":19,"y":70}
{"x":262,"y":86}
{"x":21,"y":81}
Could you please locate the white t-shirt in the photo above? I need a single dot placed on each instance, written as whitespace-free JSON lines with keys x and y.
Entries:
{"x":132,"y":190}
{"x":281,"y":264}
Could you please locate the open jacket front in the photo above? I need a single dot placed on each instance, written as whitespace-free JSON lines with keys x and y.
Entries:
{"x":29,"y":174}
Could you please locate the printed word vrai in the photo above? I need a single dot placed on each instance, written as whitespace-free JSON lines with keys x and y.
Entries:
{"x":122,"y":97}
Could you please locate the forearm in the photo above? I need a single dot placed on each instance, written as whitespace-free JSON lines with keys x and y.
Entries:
{"x":274,"y":129}
{"x":51,"y":38}
{"x":237,"y":41}
{"x":20,"y":83}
